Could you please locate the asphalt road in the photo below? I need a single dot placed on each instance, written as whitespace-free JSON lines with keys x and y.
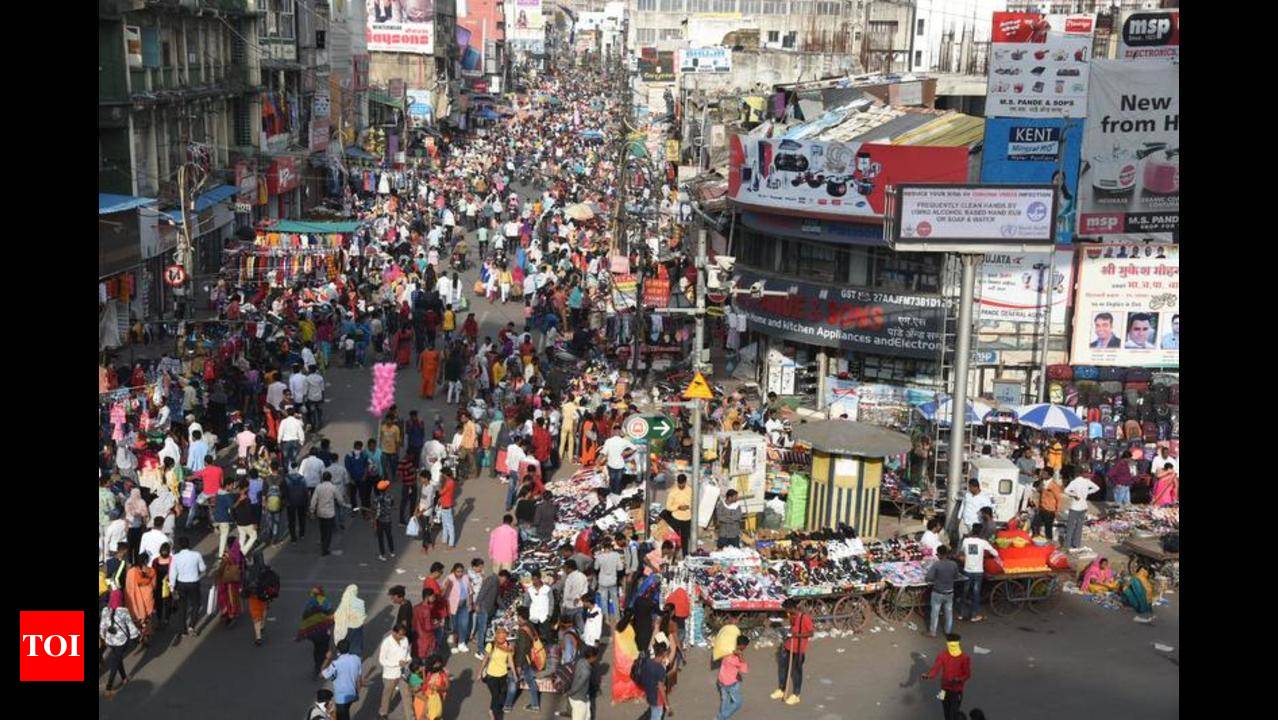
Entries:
{"x":1080,"y":660}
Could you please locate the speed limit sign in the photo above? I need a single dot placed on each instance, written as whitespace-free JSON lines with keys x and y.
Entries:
{"x":175,"y":275}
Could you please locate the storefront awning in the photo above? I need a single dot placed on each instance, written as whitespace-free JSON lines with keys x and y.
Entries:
{"x":205,"y":200}
{"x":108,"y":203}
{"x":384,"y":98}
{"x":320,"y":228}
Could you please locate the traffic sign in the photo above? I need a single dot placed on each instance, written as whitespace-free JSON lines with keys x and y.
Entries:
{"x":175,"y":275}
{"x":660,"y":427}
{"x":698,"y":389}
{"x":637,"y":427}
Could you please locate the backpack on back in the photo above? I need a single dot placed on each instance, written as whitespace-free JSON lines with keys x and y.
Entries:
{"x":537,"y":654}
{"x":274,"y":499}
{"x":268,"y":584}
{"x":636,"y":669}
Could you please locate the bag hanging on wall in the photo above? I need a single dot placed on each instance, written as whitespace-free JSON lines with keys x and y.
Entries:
{"x":1060,"y":372}
{"x":1085,"y":372}
{"x":1139,"y":374}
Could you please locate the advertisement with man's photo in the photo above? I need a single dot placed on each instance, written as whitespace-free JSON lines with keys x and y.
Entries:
{"x":1127,"y":311}
{"x":1130,"y":177}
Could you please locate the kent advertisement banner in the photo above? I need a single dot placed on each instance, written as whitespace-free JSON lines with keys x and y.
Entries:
{"x":1039,"y":65}
{"x":1130,"y":177}
{"x":834,"y":179}
{"x":1013,"y":289}
{"x":845,"y":317}
{"x":705,"y":60}
{"x":1127,"y":312}
{"x":1030,"y":151}
{"x":1149,"y":35}
{"x":405,"y":26}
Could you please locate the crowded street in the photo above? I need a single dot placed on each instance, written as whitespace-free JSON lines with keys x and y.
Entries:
{"x":522,"y":423}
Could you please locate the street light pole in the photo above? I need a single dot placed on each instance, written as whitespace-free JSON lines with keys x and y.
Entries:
{"x":958,"y":401}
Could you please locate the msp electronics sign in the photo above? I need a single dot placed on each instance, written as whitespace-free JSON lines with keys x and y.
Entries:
{"x":1040,"y":65}
{"x":1020,"y":217}
{"x":1150,"y":34}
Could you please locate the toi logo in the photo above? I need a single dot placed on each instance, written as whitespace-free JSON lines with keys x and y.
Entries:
{"x":51,"y":645}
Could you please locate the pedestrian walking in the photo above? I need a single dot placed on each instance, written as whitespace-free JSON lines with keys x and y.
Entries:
{"x":446,"y":501}
{"x":261,"y":586}
{"x":393,"y":657}
{"x":117,"y":630}
{"x":324,"y":504}
{"x":383,"y":520}
{"x":348,"y":621}
{"x":497,"y":667}
{"x":344,"y":670}
{"x":186,"y":570}
{"x":732,"y":672}
{"x":317,"y":627}
{"x":955,"y":669}
{"x":793,"y":652}
{"x":942,"y":576}
{"x":461,"y":604}
{"x":975,"y":549}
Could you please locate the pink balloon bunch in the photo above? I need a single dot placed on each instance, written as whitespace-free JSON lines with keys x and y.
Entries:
{"x":383,"y":388}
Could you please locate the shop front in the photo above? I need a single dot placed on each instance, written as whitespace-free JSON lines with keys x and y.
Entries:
{"x":283,"y":188}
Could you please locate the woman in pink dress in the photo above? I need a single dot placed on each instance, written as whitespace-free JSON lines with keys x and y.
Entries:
{"x":1166,"y":487}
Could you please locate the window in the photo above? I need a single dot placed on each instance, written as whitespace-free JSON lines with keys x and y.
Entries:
{"x":788,"y":40}
{"x":670,"y":34}
{"x":774,"y":36}
{"x":918,"y":59}
{"x":751,"y":7}
{"x":723,"y":6}
{"x":800,"y":7}
{"x":670,"y":5}
{"x":646,"y":5}
{"x":698,"y":6}
{"x":774,"y":7}
{"x":827,"y":8}
{"x":646,"y":36}
{"x":919,"y":29}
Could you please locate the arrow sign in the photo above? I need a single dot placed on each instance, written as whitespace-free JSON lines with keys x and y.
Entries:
{"x":660,"y":427}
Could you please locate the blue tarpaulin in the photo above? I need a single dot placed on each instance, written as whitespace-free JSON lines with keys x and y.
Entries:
{"x":205,"y":200}
{"x":591,"y":134}
{"x":108,"y":203}
{"x":488,"y":114}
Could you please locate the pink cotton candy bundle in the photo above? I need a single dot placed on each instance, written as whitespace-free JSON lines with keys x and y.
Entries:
{"x":383,"y":388}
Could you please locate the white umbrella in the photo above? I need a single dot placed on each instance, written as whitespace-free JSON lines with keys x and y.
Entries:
{"x":944,"y":412}
{"x":1049,"y":417}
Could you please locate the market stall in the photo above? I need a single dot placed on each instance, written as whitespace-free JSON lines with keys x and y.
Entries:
{"x":847,"y":469}
{"x":288,"y":249}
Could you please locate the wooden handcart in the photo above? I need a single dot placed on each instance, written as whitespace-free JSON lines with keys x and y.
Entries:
{"x":1039,"y":591}
{"x":1149,"y":554}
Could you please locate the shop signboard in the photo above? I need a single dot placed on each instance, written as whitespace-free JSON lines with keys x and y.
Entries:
{"x":1009,"y":392}
{"x":870,"y":321}
{"x":705,"y":61}
{"x":1039,"y":65}
{"x":1013,"y":288}
{"x":656,"y":292}
{"x":974,"y":218}
{"x":403,"y":27}
{"x":245,"y":181}
{"x":1127,"y":312}
{"x":833,"y":179}
{"x":421,"y":104}
{"x":529,"y":24}
{"x":1130,"y":177}
{"x":656,"y":65}
{"x":1149,"y":34}
{"x":282,"y":176}
{"x":1034,"y":151}
{"x":319,"y":134}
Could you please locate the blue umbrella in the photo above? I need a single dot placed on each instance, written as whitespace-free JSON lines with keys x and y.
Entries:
{"x":1049,"y":417}
{"x":976,"y":411}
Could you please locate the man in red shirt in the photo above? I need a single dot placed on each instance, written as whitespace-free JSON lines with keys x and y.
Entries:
{"x":541,"y":443}
{"x":211,"y":478}
{"x":795,"y":649}
{"x":955,"y":668}
{"x":447,"y":498}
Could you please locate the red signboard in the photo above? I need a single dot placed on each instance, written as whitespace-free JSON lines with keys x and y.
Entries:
{"x":283,"y":176}
{"x":656,"y":292}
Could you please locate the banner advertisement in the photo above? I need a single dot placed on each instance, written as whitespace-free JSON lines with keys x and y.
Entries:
{"x":656,"y":292}
{"x":282,"y":176}
{"x":421,"y":104}
{"x":472,"y":52}
{"x":529,"y":24}
{"x":845,"y":317}
{"x":832,"y":178}
{"x":1149,"y":34}
{"x":1013,"y":287}
{"x":990,"y":214}
{"x":705,"y":60}
{"x":245,"y":182}
{"x":320,"y":130}
{"x":407,"y":26}
{"x":1127,"y":312}
{"x":1130,"y":177}
{"x":656,"y":66}
{"x":1031,"y":152}
{"x":1039,"y":65}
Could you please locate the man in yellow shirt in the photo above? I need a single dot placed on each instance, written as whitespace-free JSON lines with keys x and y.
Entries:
{"x":678,"y":510}
{"x":567,"y":431}
{"x":449,"y":324}
{"x":499,"y":372}
{"x":389,"y":442}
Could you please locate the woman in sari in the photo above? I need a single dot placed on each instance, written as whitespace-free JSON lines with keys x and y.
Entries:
{"x":1166,"y":487}
{"x":1139,"y":593}
{"x":404,"y":346}
{"x":430,"y":687}
{"x":317,"y":626}
{"x":624,"y":653}
{"x":230,"y":576}
{"x":1099,"y":578}
{"x":348,"y":622}
{"x":428,"y":365}
{"x":139,"y":596}
{"x":589,"y":440}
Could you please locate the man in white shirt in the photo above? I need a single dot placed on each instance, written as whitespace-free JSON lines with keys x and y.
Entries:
{"x":973,"y":501}
{"x":152,"y":540}
{"x":975,"y":549}
{"x":1162,"y":458}
{"x":514,"y":458}
{"x":1076,"y":489}
{"x":245,"y":442}
{"x":393,"y":656}
{"x":615,"y":451}
{"x":931,"y":539}
{"x":315,"y":397}
{"x":297,"y":384}
{"x":308,"y":355}
{"x":185,"y":571}
{"x":591,"y":621}
{"x":275,"y":393}
{"x":311,"y":469}
{"x":575,"y":585}
{"x":539,"y":600}
{"x":292,"y":434}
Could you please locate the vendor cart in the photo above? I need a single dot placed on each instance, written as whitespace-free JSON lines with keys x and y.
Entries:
{"x":845,"y":609}
{"x":1149,"y":554}
{"x":906,"y":591}
{"x":1039,"y":590}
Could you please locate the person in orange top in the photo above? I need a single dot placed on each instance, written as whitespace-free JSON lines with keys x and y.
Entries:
{"x":428,"y":366}
{"x":1055,"y":455}
{"x":1050,"y":494}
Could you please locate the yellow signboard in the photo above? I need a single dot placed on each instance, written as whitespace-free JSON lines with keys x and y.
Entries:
{"x":698,"y":389}
{"x":672,"y":151}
